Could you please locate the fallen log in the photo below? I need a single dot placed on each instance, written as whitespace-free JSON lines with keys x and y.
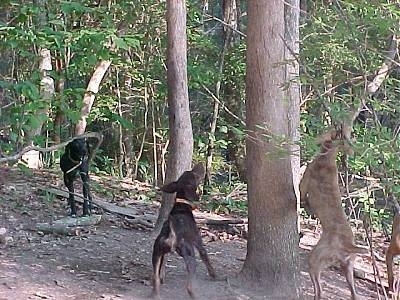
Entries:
{"x":126,"y":211}
{"x":69,"y":225}
{"x":129,"y":212}
{"x":219,"y":222}
{"x":207,"y":218}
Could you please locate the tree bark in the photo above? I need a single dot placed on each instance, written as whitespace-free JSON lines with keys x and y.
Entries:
{"x":46,"y":88}
{"x":46,"y":82}
{"x":180,"y":126}
{"x":272,"y":248}
{"x":90,"y":94}
{"x":292,"y":40}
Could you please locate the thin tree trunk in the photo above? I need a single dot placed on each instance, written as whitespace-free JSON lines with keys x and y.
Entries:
{"x":386,"y":66}
{"x":33,"y":158}
{"x":292,"y":40}
{"x":155,"y":156}
{"x":46,"y":83}
{"x":46,"y":89}
{"x":59,"y":89}
{"x":230,"y":19}
{"x":180,"y":125}
{"x":122,"y":150}
{"x":90,"y":94}
{"x":145,"y":125}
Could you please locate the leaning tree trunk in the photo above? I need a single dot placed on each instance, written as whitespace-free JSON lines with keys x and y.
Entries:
{"x":90,"y":94}
{"x":272,"y":248}
{"x":180,"y":126}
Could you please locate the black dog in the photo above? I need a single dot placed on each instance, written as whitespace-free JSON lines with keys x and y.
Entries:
{"x":180,"y":231}
{"x":74,"y":162}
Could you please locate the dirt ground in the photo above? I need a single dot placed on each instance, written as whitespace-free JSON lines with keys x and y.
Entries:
{"x":112,"y":260}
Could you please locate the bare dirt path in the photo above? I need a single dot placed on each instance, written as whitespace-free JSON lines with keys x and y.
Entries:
{"x":112,"y":260}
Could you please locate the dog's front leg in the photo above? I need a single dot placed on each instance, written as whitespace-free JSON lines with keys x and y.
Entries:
{"x":87,"y":201}
{"x":348,"y":268}
{"x":69,"y":183}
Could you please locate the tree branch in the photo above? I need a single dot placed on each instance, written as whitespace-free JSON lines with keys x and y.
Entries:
{"x":18,"y":155}
{"x":383,"y":72}
{"x":90,"y":94}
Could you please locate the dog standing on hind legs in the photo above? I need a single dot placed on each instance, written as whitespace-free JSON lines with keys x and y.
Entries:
{"x":319,"y":192}
{"x":180,"y":233}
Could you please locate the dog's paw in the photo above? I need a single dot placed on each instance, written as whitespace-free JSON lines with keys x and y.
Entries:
{"x":212,"y":274}
{"x":154,"y":295}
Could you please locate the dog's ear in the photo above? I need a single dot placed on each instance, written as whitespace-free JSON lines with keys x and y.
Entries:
{"x":68,"y":147}
{"x":327,"y":137}
{"x":170,"y":187}
{"x":199,"y":172}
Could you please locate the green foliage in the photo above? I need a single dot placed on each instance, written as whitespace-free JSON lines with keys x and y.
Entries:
{"x":344,"y":44}
{"x":228,"y":206}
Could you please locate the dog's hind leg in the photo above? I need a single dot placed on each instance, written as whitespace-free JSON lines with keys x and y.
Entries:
{"x":315,"y":264}
{"x":162,"y":270}
{"x":389,"y":265}
{"x":348,"y":268}
{"x":187,"y":252}
{"x":204,"y":257}
{"x":157,"y":260}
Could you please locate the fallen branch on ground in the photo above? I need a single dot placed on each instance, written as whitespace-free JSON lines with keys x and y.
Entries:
{"x":109,"y":207}
{"x":68,"y":226}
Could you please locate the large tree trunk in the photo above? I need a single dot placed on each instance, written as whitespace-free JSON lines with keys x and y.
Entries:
{"x":180,"y":126}
{"x":272,"y":248}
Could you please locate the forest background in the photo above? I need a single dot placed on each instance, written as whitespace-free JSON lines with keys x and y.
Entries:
{"x":348,"y":54}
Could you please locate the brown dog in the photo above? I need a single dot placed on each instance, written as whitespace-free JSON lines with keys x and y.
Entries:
{"x":319,"y":191}
{"x":180,"y":233}
{"x":394,"y":247}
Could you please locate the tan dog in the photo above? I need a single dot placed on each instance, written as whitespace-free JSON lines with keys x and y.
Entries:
{"x":394,"y":247}
{"x":319,"y":191}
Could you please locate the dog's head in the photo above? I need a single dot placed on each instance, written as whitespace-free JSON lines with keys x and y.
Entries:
{"x":77,"y":149}
{"x":186,"y":185}
{"x":338,"y":139}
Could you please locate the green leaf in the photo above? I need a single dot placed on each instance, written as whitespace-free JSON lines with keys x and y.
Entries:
{"x":120,"y":43}
{"x":223,"y":129}
{"x":69,"y":7}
